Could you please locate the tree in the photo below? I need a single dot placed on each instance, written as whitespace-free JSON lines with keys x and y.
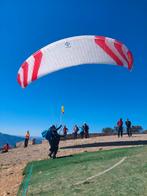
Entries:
{"x":137,"y":129}
{"x":145,"y":131}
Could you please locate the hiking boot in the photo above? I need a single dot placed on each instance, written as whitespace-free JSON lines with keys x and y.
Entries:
{"x":50,"y":155}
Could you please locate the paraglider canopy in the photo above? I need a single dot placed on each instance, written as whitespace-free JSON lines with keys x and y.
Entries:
{"x":72,"y":52}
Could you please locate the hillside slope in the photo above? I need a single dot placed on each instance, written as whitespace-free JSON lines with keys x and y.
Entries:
{"x":10,"y":139}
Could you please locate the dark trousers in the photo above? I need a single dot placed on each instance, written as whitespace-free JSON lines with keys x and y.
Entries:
{"x":129,"y":131}
{"x":65,"y":134}
{"x":53,"y":148}
{"x":82,"y":134}
{"x":26,"y":142}
{"x":86,"y":134}
{"x":75,"y":135}
{"x":120,"y":131}
{"x":54,"y":151}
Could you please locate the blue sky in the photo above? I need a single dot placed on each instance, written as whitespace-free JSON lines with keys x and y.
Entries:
{"x":97,"y":94}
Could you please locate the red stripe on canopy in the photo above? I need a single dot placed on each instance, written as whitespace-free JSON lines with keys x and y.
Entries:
{"x":37,"y":57}
{"x":119,"y":46}
{"x":18,"y":79}
{"x":100,"y":41}
{"x":25,"y":73}
{"x":130,"y":58}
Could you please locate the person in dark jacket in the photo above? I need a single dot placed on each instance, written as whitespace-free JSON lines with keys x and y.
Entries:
{"x":53,"y":138}
{"x":128,"y":125}
{"x":120,"y":127}
{"x":86,"y":130}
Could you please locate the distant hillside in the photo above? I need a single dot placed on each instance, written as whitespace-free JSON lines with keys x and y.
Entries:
{"x":10,"y":139}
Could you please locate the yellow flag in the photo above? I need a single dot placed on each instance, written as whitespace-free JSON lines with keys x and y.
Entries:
{"x":62,"y":109}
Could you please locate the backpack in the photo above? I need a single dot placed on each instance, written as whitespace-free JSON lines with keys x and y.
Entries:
{"x":46,"y":134}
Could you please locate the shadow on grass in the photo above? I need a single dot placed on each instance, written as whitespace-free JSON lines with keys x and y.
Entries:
{"x":107,"y":144}
{"x":61,"y":157}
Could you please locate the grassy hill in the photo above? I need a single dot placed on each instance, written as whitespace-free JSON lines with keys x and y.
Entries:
{"x":59,"y":176}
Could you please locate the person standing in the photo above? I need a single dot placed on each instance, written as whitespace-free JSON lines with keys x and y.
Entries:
{"x":65,"y":129}
{"x":128,"y":125}
{"x":120,"y":127}
{"x":27,"y":137}
{"x":86,"y":130}
{"x":75,"y":131}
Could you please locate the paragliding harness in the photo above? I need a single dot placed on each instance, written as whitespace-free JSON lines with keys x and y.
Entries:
{"x":51,"y":134}
{"x":44,"y":133}
{"x":47,"y":134}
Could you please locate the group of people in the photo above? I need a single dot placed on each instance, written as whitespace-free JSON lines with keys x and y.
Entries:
{"x":120,"y":127}
{"x":53,"y":136}
{"x":83,"y":133}
{"x":6,"y":146}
